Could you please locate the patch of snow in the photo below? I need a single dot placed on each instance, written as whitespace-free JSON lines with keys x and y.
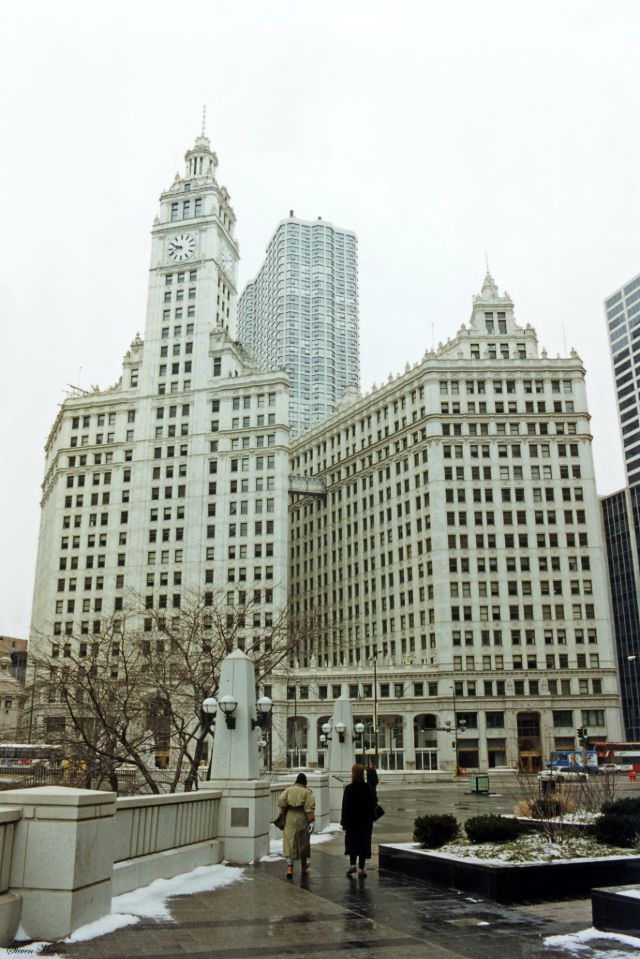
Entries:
{"x":103,"y":926}
{"x":275,"y":847}
{"x":528,"y":850}
{"x":323,"y":836}
{"x":147,"y":902}
{"x":332,"y":827}
{"x":632,"y":893}
{"x":150,"y":902}
{"x":578,"y":942}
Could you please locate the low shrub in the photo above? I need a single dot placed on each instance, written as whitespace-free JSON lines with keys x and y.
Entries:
{"x":617,"y":829}
{"x":547,"y":808}
{"x":492,"y":829}
{"x":623,"y":807}
{"x":434,"y":831}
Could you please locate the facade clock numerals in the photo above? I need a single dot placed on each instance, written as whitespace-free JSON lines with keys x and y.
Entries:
{"x":181,"y":247}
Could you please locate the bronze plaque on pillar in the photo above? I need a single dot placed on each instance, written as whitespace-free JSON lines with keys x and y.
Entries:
{"x":239,"y":816}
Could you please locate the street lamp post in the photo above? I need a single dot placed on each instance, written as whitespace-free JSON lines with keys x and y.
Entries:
{"x":264,"y":707}
{"x":341,"y":729}
{"x":455,"y":727}
{"x":375,"y":705}
{"x":208,"y":720}
{"x":633,"y":700}
{"x":228,"y":706}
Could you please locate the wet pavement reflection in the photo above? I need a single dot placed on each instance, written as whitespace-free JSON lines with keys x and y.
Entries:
{"x":327,"y":914}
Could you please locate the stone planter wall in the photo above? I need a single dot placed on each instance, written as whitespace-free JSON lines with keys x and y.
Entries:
{"x":511,"y":882}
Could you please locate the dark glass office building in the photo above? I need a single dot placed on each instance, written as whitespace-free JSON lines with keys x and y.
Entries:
{"x":621,"y":512}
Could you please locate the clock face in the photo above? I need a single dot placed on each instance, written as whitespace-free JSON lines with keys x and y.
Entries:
{"x":181,"y":247}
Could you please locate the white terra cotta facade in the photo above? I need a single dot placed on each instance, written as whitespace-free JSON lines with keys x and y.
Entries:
{"x":172,"y":484}
{"x":456,"y":562}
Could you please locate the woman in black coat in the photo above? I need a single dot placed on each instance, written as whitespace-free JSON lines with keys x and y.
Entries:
{"x":358,"y":812}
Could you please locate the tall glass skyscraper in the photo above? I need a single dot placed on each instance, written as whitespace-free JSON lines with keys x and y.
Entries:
{"x":623,"y":322}
{"x":301,"y":313}
{"x":621,"y":510}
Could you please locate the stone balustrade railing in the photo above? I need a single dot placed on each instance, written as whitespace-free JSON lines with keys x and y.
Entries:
{"x":9,"y":819}
{"x":64,"y":853}
{"x":161,"y":836}
{"x":151,"y":824}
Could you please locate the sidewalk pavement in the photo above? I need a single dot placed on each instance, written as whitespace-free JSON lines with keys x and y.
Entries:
{"x":326,"y":914}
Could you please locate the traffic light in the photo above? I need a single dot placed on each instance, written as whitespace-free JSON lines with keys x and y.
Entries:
{"x":583,"y":735}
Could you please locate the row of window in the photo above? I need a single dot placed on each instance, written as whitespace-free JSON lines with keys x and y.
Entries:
{"x":453,"y":387}
{"x":499,"y":408}
{"x":188,"y":209}
{"x":507,"y":517}
{"x":539,"y":428}
{"x":471,"y":663}
{"x":509,"y":449}
{"x":166,"y":331}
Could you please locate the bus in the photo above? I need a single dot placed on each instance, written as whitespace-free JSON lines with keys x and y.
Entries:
{"x":22,"y":755}
{"x":572,"y":760}
{"x":624,"y":755}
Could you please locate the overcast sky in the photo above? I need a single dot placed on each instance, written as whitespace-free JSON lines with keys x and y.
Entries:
{"x":436,"y":130}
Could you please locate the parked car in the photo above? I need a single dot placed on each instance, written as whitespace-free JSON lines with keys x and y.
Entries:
{"x":609,"y":768}
{"x":564,"y":774}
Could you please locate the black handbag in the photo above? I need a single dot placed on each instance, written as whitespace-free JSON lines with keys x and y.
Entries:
{"x":279,"y":821}
{"x":378,"y":812}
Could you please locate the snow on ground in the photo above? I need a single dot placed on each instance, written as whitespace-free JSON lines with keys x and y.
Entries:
{"x":527,"y":849}
{"x":594,"y":944}
{"x":147,"y":902}
{"x":275,"y":846}
{"x":150,"y":902}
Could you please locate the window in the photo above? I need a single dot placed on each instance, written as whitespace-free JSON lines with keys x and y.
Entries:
{"x":495,"y":720}
{"x":563,"y":718}
{"x":593,"y":717}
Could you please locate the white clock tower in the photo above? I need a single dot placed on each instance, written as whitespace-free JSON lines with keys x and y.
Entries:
{"x":170,"y":488}
{"x":192,"y":284}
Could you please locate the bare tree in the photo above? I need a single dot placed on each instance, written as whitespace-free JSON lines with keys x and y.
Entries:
{"x":132,"y":694}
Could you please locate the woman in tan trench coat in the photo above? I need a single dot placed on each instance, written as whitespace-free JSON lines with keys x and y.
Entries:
{"x":298,"y":804}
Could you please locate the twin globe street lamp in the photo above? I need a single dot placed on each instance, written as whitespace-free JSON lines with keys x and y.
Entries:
{"x":341,"y":729}
{"x":228,"y":704}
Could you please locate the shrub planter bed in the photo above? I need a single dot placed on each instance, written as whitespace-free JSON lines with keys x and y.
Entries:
{"x":564,"y":827}
{"x":509,"y":882}
{"x":617,"y":910}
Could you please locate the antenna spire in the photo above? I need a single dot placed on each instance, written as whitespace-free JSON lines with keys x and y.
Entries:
{"x":204,"y":119}
{"x":486,"y":260}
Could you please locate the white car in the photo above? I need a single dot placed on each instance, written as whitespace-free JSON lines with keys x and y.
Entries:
{"x":562,"y":775}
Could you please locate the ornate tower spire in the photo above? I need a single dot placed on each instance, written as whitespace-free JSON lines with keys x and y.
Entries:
{"x":201,"y":160}
{"x":489,"y":289}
